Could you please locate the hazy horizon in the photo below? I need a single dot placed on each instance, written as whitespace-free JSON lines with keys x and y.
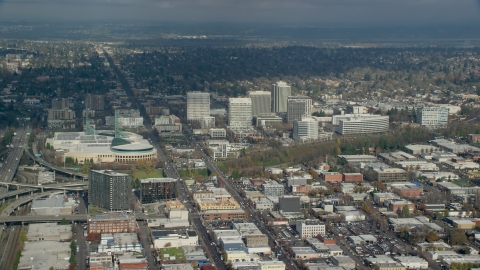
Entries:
{"x":299,"y":13}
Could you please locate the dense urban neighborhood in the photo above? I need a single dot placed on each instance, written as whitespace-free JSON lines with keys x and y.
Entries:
{"x":118,"y":155}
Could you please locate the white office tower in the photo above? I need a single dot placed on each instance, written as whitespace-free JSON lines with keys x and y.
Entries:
{"x":298,"y":107}
{"x":239,"y":113}
{"x":348,"y":124}
{"x":261,"y":102}
{"x":198,"y":106}
{"x":432,"y":117}
{"x":280,"y":93}
{"x":305,"y":129}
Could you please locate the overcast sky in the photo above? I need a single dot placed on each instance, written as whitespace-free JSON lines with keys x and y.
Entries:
{"x":286,"y":12}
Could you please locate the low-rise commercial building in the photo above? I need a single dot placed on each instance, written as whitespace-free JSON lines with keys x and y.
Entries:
{"x":331,"y":177}
{"x":412,"y":262}
{"x":389,"y":175}
{"x":49,"y":232}
{"x":224,"y":214}
{"x":174,"y":239}
{"x":352,"y":177}
{"x":310,"y":228}
{"x":112,"y":223}
{"x":45,"y":254}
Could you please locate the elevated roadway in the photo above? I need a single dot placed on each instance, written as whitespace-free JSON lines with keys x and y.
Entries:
{"x":42,"y":162}
{"x":60,"y":186}
{"x":19,"y":144}
{"x":24,"y":200}
{"x":57,"y":218}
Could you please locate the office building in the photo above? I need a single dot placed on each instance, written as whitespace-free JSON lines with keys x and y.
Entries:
{"x":389,"y":175}
{"x":280,"y":93}
{"x":60,"y":104}
{"x":289,"y":204}
{"x":217,"y":133}
{"x":95,"y":102}
{"x":157,"y":189}
{"x":356,"y":109}
{"x":261,"y":102}
{"x":298,"y":107}
{"x":310,"y":228}
{"x":267,"y":120}
{"x":360,"y":124}
{"x":273,"y":188}
{"x":239,"y":113}
{"x":62,"y":114}
{"x":110,"y":190}
{"x":305,"y":129}
{"x":198,"y":106}
{"x":432,"y":117}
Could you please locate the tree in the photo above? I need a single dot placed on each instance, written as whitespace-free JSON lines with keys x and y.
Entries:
{"x":23,"y":235}
{"x":72,"y":259}
{"x":73,"y":246}
{"x":366,"y":208}
{"x":432,"y":236}
{"x":194,"y":264}
{"x":406,"y":211}
{"x":168,"y":244}
{"x":458,"y":237}
{"x":64,"y":221}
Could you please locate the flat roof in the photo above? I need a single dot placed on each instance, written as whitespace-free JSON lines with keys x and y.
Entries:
{"x":46,"y":229}
{"x":158,"y":180}
{"x":44,"y":254}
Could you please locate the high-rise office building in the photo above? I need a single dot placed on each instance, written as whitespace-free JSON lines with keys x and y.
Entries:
{"x":239,"y":113}
{"x":280,"y":93}
{"x":432,"y":117}
{"x":153,"y":190}
{"x":198,"y":106}
{"x":110,"y":190}
{"x":298,"y":107}
{"x":305,"y":129}
{"x":95,"y":102}
{"x":261,"y":102}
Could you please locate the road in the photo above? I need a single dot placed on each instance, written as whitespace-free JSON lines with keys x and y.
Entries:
{"x":11,"y":162}
{"x":250,"y":212}
{"x":145,"y":240}
{"x":169,"y":170}
{"x":82,"y":247}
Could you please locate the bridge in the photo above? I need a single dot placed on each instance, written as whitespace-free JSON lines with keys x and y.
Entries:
{"x":55,"y":168}
{"x":70,"y":186}
{"x":57,"y":218}
{"x":24,"y":200}
{"x":15,"y":193}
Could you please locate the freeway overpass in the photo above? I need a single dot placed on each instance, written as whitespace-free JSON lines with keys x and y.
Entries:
{"x":57,"y":218}
{"x":55,"y":168}
{"x":77,"y":186}
{"x":15,"y":193}
{"x":24,"y":200}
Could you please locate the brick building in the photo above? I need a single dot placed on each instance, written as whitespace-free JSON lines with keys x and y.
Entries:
{"x":407,"y":190}
{"x":331,"y":177}
{"x":224,"y":214}
{"x":112,"y":223}
{"x":352,"y":177}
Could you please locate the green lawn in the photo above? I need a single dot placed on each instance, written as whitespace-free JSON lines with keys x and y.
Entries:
{"x":461,"y":183}
{"x":142,"y":175}
{"x":171,"y":252}
{"x":192,"y":173}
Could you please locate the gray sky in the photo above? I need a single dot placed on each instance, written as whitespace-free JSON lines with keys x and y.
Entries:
{"x":288,"y":12}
